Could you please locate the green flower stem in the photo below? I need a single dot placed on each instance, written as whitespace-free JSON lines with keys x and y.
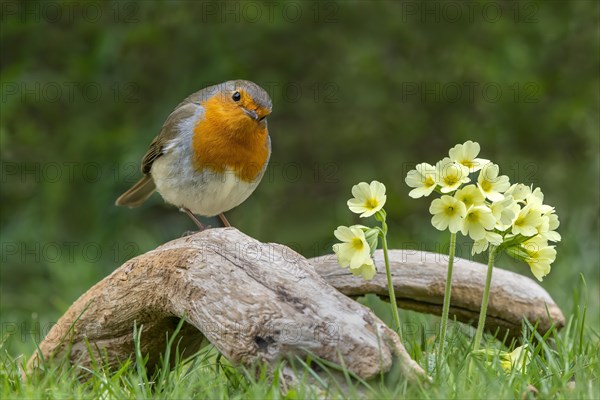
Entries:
{"x":484,"y":301}
{"x":389,"y":280}
{"x":447,"y":294}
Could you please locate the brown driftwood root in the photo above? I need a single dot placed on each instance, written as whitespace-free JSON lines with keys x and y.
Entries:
{"x":263,"y":302}
{"x":419,"y":280}
{"x":252,"y":301}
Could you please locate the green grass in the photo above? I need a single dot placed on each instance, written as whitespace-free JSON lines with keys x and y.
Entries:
{"x":565,"y":364}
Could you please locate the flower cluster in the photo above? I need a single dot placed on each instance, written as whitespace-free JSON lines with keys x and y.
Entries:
{"x":482,"y":204}
{"x":358,"y":241}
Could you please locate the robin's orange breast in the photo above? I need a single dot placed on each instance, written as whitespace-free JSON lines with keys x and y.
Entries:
{"x":226,"y":139}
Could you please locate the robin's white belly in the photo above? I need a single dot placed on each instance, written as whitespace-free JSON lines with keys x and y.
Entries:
{"x":205,"y":192}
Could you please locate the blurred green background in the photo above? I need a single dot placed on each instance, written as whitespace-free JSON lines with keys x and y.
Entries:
{"x":361,"y":91}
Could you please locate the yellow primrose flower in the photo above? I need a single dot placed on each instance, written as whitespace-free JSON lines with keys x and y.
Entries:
{"x":518,"y":191}
{"x":422,"y":179}
{"x":548,"y":228}
{"x":536,"y":199}
{"x":366,"y":271}
{"x":553,"y":222}
{"x":527,"y":221}
{"x":470,"y":195}
{"x":450,"y":175}
{"x":477,"y":220}
{"x":505,"y":211}
{"x":368,"y":198}
{"x":518,"y":359}
{"x":354,"y":251}
{"x":548,"y":221}
{"x":447,"y":212}
{"x":491,"y":185}
{"x":466,"y":153}
{"x":483,"y":244}
{"x":539,"y":256}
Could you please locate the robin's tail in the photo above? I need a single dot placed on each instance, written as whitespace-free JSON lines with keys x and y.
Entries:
{"x":138,"y":193}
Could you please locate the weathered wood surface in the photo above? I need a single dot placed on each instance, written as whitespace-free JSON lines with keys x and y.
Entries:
{"x":257,"y":301}
{"x":419,"y":279}
{"x":252,"y":301}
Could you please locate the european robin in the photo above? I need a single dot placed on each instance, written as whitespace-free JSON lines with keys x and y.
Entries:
{"x":211,"y":152}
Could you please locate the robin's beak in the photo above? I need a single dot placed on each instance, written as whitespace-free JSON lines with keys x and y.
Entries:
{"x":257,"y":115}
{"x":251,"y":113}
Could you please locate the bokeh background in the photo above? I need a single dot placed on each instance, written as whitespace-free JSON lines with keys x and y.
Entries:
{"x":361,"y":91}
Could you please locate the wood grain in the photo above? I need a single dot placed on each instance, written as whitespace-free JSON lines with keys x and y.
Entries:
{"x":245,"y":297}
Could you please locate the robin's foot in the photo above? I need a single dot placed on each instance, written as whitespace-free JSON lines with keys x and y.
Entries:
{"x":200,"y":225}
{"x":224,"y":220}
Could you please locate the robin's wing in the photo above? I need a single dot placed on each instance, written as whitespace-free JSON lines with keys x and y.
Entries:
{"x":169,"y":131}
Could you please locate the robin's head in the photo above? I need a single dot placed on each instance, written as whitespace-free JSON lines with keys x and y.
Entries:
{"x":238,"y":103}
{"x":231,"y":133}
{"x":248,"y":97}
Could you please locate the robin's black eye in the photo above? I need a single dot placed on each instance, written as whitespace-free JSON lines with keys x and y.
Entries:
{"x":236,"y":96}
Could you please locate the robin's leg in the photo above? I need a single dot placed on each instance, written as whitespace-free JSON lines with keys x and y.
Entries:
{"x":201,"y":226}
{"x":224,"y":220}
